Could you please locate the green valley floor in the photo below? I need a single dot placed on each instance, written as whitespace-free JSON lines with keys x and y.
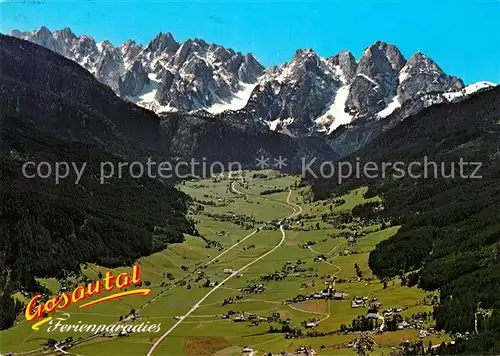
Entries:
{"x":264,"y":256}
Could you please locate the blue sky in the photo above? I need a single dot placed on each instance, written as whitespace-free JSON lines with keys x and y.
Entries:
{"x":463,"y":37}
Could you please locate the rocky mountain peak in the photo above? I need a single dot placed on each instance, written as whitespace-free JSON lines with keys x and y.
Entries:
{"x":250,"y":70}
{"x":304,"y":62}
{"x":200,"y":43}
{"x":16,"y":33}
{"x":392,"y":53}
{"x":422,"y":61}
{"x":376,"y":79}
{"x":130,"y":50}
{"x":305,"y":56}
{"x":106,"y":46}
{"x":66,"y":34}
{"x":380,"y":59}
{"x":304,"y":53}
{"x":347,"y":63}
{"x":421,"y":75}
{"x":43,"y":37}
{"x":43,"y":31}
{"x":86,"y":41}
{"x":65,"y":38}
{"x":163,"y":42}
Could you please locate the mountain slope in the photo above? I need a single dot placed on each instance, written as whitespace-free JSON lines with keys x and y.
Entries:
{"x":450,"y":235}
{"x":230,"y":140}
{"x":60,"y":97}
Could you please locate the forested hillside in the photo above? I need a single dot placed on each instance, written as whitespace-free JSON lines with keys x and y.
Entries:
{"x":229,"y":139}
{"x":450,"y":235}
{"x":54,"y":111}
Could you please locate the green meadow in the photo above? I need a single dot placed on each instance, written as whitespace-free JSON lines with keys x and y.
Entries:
{"x":217,"y":209}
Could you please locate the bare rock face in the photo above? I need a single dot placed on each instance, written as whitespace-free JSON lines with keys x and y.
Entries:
{"x":346,"y":62}
{"x":379,"y":60}
{"x":421,"y":75}
{"x":250,"y":69}
{"x":134,"y":80}
{"x":109,"y":66}
{"x":365,"y":97}
{"x":130,"y":50}
{"x":162,"y":43}
{"x":379,"y":65}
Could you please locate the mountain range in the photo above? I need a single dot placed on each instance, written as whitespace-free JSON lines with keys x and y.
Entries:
{"x":310,"y":95}
{"x":58,"y":96}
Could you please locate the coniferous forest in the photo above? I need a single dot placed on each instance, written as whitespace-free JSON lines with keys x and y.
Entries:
{"x":48,"y":229}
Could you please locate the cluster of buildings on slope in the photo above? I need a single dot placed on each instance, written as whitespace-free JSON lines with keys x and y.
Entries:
{"x":327,"y":293}
{"x":255,"y":319}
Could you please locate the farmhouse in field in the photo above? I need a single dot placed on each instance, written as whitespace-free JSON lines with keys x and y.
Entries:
{"x":338,"y":295}
{"x":239,"y":318}
{"x":311,"y":323}
{"x":247,"y":350}
{"x":357,"y":302}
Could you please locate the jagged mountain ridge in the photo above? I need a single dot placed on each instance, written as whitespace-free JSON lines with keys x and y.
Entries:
{"x":312,"y":93}
{"x":65,"y":100}
{"x":163,"y":76}
{"x":308,"y":95}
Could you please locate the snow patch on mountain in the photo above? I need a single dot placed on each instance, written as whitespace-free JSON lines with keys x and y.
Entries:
{"x":236,"y":102}
{"x":368,"y":78}
{"x":335,"y":114}
{"x":280,"y":125}
{"x":403,"y":74}
{"x":468,"y":90}
{"x":389,"y":109}
{"x":337,"y":70}
{"x":146,"y":98}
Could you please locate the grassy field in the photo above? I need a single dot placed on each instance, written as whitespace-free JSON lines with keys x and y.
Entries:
{"x":204,"y":332}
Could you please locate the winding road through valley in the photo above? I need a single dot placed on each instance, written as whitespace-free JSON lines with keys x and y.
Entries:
{"x":296,"y":211}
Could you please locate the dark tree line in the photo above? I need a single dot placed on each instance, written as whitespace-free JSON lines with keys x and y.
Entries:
{"x":48,"y":229}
